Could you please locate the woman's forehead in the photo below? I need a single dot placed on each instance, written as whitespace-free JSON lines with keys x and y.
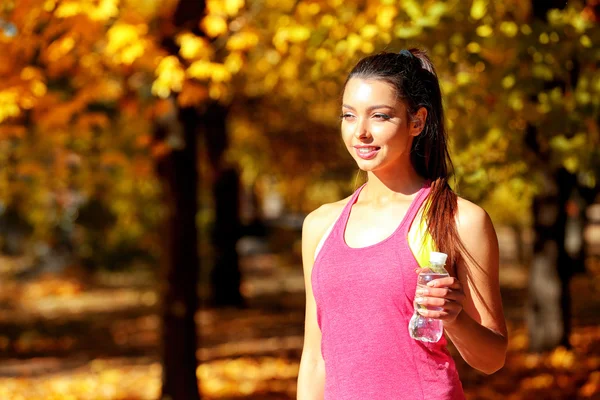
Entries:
{"x":361,"y":90}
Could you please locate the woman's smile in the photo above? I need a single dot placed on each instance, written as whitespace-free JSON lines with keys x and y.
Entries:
{"x":367,"y":152}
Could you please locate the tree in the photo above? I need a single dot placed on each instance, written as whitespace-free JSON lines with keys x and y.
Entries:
{"x":549,"y":309}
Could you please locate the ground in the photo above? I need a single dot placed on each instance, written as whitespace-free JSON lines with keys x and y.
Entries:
{"x":66,"y":337}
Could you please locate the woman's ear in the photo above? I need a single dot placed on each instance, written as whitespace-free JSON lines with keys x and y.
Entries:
{"x":417,"y":123}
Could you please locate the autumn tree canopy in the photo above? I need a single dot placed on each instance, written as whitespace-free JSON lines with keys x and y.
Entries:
{"x":82,"y":81}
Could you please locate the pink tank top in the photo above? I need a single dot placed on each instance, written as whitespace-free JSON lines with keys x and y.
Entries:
{"x":364,"y":302}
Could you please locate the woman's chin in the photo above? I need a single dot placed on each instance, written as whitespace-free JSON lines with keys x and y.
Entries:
{"x":366,"y":167}
{"x":370,"y":163}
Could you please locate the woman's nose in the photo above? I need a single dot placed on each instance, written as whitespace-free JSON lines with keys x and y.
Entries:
{"x":362,"y":131}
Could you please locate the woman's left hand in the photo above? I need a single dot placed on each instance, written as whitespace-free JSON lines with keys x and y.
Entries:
{"x":443,"y":299}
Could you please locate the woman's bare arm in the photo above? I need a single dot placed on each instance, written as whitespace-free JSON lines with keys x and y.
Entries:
{"x":471,"y":303}
{"x":479,"y":332}
{"x":311,"y":377}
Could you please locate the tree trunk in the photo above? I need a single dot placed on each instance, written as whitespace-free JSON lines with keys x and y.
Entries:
{"x":549,"y":306}
{"x":226,"y":274}
{"x":181,"y":264}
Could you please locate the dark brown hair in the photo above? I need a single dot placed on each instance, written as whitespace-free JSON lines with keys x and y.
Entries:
{"x":415,"y":81}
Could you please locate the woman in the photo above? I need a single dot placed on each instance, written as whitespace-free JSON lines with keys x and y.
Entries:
{"x":360,"y":254}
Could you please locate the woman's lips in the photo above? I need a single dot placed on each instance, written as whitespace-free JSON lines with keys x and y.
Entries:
{"x":367,"y":152}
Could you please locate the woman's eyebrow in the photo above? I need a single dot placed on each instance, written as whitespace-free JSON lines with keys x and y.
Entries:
{"x":371,"y":108}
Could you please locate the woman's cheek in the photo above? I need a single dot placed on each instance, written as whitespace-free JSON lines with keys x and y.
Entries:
{"x":347,"y":134}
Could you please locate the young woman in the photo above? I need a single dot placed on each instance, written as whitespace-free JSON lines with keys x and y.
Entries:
{"x":361,"y":254}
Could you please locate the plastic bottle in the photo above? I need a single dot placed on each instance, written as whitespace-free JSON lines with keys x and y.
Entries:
{"x":420,"y":327}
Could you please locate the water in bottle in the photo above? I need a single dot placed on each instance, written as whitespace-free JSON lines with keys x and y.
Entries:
{"x":420,"y":327}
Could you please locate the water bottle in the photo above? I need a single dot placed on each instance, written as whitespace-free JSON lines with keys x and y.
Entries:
{"x":420,"y":327}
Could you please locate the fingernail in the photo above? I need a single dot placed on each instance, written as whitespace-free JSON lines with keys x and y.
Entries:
{"x":431,"y":284}
{"x":419,"y":300}
{"x":422,"y":291}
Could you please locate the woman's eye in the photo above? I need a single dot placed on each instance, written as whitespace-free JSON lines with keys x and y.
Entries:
{"x":382,"y":116}
{"x":346,"y":116}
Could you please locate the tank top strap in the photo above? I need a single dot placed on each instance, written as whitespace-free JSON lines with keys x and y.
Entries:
{"x":342,"y":220}
{"x":414,"y":208}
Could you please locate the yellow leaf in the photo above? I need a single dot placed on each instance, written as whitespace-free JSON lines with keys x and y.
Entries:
{"x":515,"y":101}
{"x":29,"y":73}
{"x":484,"y":30}
{"x":406,"y":32}
{"x":437,"y":9}
{"x":508,"y":81}
{"x":561,"y":357}
{"x":367,"y":48}
{"x":289,"y":69}
{"x":60,"y":47}
{"x":354,"y":42}
{"x":327,"y":21}
{"x":232,"y":7}
{"x":542,"y":71}
{"x":8,"y":104}
{"x":234,"y":62}
{"x":214,"y":25}
{"x":385,"y":17}
{"x":192,"y":46}
{"x":298,"y":34}
{"x":582,"y":97}
{"x":49,"y":5}
{"x":242,"y":41}
{"x":38,"y":88}
{"x":542,"y":381}
{"x":220,"y":73}
{"x":479,"y":9}
{"x":585,"y":41}
{"x":200,"y":70}
{"x":132,"y":53}
{"x":322,"y":54}
{"x":473,"y":47}
{"x":102,"y":11}
{"x":68,"y":9}
{"x":368,"y":32}
{"x":509,"y":28}
{"x":125,"y":42}
{"x":462,"y":78}
{"x":413,"y":9}
{"x":170,"y":77}
{"x":105,"y":10}
{"x":217,"y":91}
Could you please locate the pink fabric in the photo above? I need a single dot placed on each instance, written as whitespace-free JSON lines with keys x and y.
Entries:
{"x":364,"y":302}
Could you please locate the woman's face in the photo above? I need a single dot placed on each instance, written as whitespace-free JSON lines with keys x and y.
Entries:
{"x":375,"y":125}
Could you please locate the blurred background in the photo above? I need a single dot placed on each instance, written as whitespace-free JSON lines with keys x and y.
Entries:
{"x":157,"y":159}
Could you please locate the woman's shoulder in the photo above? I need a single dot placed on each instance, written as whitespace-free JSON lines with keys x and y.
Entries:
{"x":320,"y":219}
{"x":316,"y":225}
{"x":472,"y":220}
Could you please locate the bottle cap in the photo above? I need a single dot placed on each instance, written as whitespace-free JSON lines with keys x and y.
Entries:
{"x":438,"y":258}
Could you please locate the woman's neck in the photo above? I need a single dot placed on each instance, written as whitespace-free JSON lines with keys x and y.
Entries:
{"x":383,"y":186}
